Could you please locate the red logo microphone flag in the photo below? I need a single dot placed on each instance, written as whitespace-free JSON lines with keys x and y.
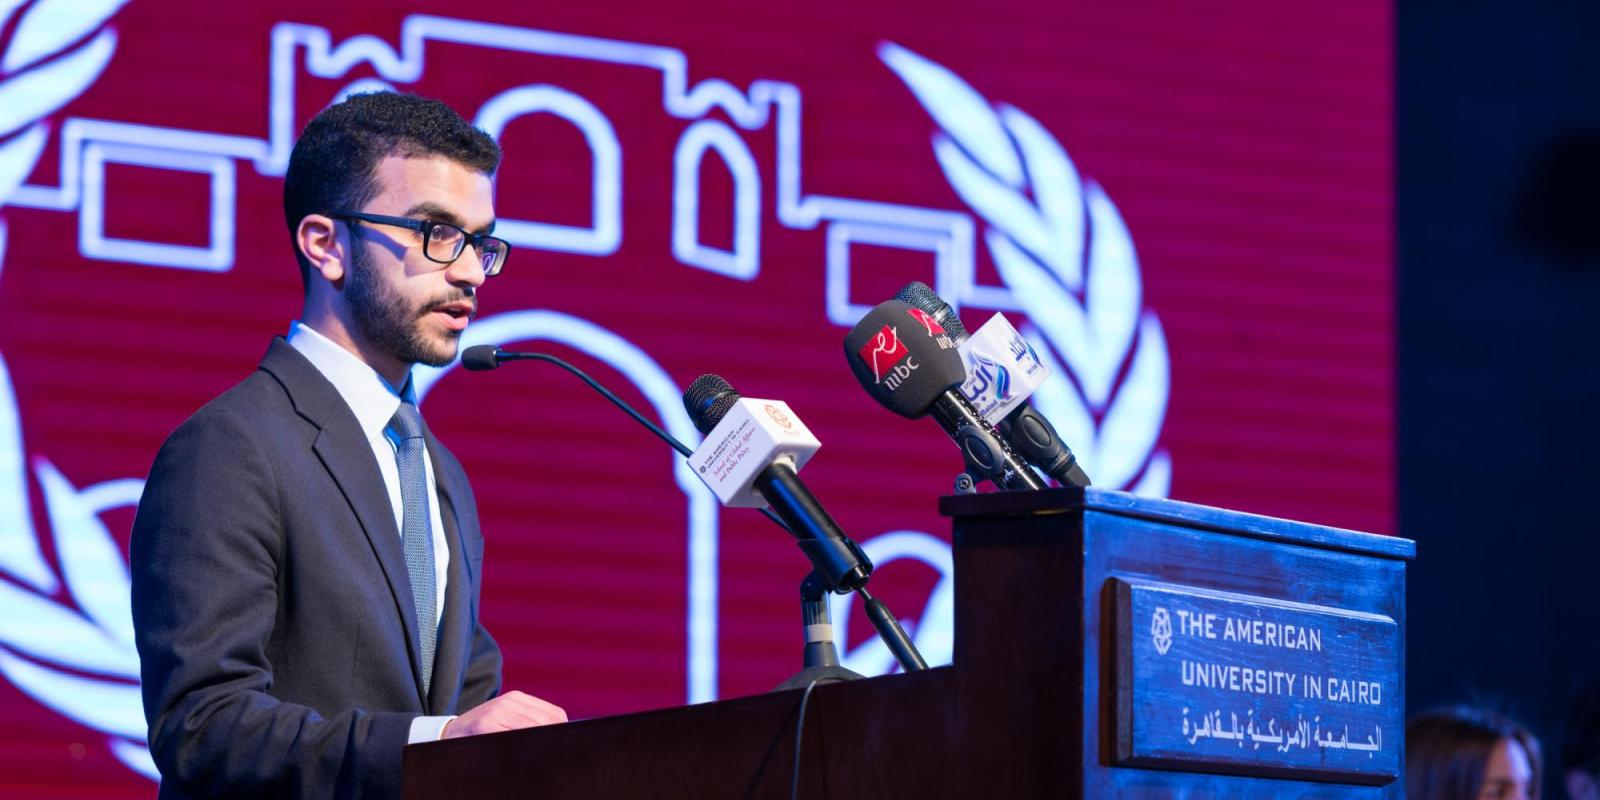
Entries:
{"x":883,"y":351}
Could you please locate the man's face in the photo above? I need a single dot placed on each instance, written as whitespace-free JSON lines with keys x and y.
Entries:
{"x":408,"y":308}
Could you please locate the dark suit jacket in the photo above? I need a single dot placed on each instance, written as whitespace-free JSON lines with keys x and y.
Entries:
{"x":271,"y":605}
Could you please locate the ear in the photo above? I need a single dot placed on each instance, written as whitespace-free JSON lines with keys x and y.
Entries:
{"x":324,"y":245}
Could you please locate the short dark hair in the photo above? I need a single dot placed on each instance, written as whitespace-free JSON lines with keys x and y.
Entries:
{"x":334,"y":164}
{"x":1448,"y":749}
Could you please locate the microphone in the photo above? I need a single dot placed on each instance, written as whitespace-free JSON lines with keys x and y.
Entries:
{"x":908,"y":362}
{"x":480,"y":357}
{"x":1027,"y":430}
{"x":485,"y":357}
{"x":749,"y":458}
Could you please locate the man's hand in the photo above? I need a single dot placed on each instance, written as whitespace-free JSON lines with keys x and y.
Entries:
{"x":507,"y":712}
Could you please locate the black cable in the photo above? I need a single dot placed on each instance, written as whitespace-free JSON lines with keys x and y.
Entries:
{"x":799,"y":731}
{"x":891,"y":633}
{"x":682,"y":448}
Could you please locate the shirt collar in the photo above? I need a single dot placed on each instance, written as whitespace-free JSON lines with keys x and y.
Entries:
{"x":368,"y":395}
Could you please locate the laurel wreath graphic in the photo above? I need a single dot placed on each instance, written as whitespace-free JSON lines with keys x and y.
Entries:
{"x":1062,"y":248}
{"x":76,"y":658}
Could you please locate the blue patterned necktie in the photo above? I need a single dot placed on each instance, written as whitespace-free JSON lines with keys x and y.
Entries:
{"x":417,"y":531}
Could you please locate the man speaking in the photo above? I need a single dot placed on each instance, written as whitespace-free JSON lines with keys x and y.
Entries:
{"x":306,"y":557}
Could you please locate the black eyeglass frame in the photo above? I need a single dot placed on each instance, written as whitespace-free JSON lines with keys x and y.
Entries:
{"x":426,"y":226}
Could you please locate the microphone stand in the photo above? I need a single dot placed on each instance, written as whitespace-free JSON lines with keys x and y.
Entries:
{"x":820,"y":663}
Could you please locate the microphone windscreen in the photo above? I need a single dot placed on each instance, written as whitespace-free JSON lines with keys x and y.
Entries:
{"x":919,"y":295}
{"x":903,"y":358}
{"x":480,"y":357}
{"x":707,"y":400}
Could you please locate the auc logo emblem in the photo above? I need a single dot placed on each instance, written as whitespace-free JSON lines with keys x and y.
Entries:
{"x":1161,"y":630}
{"x":1058,"y":242}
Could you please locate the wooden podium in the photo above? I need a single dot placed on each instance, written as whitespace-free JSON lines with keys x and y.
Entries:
{"x":1106,"y":646}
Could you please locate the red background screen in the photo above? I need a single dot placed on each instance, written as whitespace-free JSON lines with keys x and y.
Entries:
{"x":1205,"y":191}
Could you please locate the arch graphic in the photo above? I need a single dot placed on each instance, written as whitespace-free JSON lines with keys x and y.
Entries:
{"x":604,"y":235}
{"x":663,"y":395}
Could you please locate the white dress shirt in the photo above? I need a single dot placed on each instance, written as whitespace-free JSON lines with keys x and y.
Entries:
{"x":374,"y":401}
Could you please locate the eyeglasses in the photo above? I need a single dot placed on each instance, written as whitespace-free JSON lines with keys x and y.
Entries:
{"x":442,"y":242}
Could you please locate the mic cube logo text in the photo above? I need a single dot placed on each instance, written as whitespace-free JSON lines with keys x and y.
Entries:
{"x":883,"y":352}
{"x":752,"y":435}
{"x":778,"y":416}
{"x":936,"y":331}
{"x":927,"y":321}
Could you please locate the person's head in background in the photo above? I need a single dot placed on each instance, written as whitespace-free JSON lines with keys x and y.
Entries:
{"x":1463,"y":753}
{"x":1580,"y":747}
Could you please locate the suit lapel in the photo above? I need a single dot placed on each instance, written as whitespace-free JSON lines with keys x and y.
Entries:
{"x":455,"y":627}
{"x":347,"y":455}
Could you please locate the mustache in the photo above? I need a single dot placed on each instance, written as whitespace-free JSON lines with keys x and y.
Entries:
{"x":437,"y":303}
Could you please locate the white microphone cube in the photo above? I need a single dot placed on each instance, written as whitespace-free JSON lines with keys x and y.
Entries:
{"x":1002,"y":369}
{"x":750,"y":437}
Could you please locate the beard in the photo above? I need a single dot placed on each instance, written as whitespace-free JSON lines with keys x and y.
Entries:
{"x":392,"y":323}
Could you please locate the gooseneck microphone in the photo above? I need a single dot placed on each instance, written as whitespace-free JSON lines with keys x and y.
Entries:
{"x":838,"y":559}
{"x":487,"y":356}
{"x":480,"y":357}
{"x":1025,"y":429}
{"x":909,"y":364}
{"x":752,"y":449}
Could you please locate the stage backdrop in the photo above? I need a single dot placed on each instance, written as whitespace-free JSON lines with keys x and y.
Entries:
{"x":1186,"y":207}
